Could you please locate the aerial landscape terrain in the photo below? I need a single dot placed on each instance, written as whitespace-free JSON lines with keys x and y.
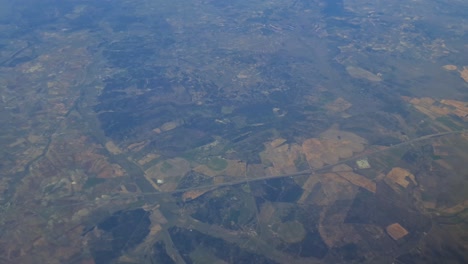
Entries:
{"x":243,"y":131}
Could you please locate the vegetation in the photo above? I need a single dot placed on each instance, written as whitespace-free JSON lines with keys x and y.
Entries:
{"x":217,"y":164}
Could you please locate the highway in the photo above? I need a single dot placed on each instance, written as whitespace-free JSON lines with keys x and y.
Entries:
{"x":249,"y":180}
{"x":300,"y":173}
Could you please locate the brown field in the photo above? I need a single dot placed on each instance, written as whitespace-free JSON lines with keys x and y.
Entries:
{"x":396,"y":231}
{"x":401,"y":177}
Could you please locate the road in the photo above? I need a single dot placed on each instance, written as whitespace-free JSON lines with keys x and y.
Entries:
{"x":300,"y":173}
{"x":269,"y":177}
